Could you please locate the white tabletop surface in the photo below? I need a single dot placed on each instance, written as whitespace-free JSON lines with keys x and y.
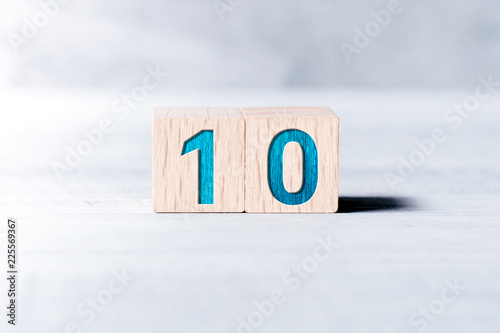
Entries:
{"x":398,"y":249}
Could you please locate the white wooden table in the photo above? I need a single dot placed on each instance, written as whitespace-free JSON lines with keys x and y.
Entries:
{"x":200,"y":273}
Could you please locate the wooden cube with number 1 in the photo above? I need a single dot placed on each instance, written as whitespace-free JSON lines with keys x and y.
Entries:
{"x":198,"y":160}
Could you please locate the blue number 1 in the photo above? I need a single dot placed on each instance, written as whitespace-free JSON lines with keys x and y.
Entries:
{"x":204,"y":142}
{"x":275,"y":167}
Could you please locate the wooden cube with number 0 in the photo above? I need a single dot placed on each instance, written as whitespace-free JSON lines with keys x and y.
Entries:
{"x":291,"y":160}
{"x":198,"y":160}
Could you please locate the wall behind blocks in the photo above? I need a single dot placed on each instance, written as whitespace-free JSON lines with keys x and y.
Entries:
{"x":251,"y":43}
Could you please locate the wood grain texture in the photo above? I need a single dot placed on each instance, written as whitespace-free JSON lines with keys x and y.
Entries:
{"x":175,"y":176}
{"x":262,"y":124}
{"x":292,"y":167}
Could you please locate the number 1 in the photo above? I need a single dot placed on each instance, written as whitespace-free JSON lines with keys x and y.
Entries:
{"x":203,"y":141}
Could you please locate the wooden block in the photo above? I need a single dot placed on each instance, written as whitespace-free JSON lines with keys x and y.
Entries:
{"x":291,"y":160}
{"x":198,"y":160}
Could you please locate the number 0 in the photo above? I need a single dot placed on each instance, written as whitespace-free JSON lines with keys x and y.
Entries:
{"x":275,"y":167}
{"x":204,"y":142}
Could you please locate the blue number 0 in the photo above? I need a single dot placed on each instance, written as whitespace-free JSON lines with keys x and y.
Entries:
{"x":275,"y":167}
{"x":204,"y":142}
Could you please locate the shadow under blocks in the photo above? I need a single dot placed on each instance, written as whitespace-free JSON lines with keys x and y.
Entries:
{"x":371,"y":204}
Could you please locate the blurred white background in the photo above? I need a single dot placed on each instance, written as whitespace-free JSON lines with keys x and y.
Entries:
{"x":63,"y":63}
{"x":273,"y":43}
